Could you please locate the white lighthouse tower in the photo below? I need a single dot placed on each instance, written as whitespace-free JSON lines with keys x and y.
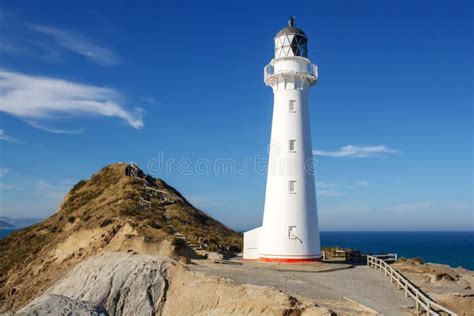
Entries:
{"x":290,"y":231}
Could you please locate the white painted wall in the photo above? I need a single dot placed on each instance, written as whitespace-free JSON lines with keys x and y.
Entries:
{"x":251,"y":251}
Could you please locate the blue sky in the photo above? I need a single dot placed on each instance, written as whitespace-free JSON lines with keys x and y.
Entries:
{"x":88,"y":83}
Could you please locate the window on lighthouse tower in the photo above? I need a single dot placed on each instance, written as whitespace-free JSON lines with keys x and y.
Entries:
{"x":292,"y":106}
{"x":292,"y":187}
{"x":292,"y":232}
{"x":292,"y":146}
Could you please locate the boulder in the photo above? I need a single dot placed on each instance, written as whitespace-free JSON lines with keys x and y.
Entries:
{"x":60,"y":305}
{"x":124,"y":283}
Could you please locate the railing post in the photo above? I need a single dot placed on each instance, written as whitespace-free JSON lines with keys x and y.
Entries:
{"x":417,"y":303}
{"x":398,"y":281}
{"x":406,"y":289}
{"x":428,"y":308}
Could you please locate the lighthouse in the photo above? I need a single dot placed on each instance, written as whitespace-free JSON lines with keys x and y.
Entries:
{"x":290,"y":230}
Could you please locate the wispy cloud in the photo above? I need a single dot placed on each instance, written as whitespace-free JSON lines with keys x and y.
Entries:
{"x":457,"y":206}
{"x":4,"y":186}
{"x":410,"y":207}
{"x":55,"y":130}
{"x":79,"y":44}
{"x":330,"y":193}
{"x":44,"y":194}
{"x":7,"y":138}
{"x":10,"y":48}
{"x":35,"y":97}
{"x":54,"y":190}
{"x":340,"y":188}
{"x":328,"y":189}
{"x":363,"y":183}
{"x":3,"y":171}
{"x":149,"y":100}
{"x":207,"y":201}
{"x":356,"y":151}
{"x":18,"y":37}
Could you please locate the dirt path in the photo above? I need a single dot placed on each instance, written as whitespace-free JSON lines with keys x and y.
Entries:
{"x":360,"y":283}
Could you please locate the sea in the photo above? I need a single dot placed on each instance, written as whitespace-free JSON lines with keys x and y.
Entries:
{"x":455,"y":249}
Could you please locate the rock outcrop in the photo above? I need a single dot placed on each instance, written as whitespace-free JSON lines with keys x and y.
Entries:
{"x":124,"y":283}
{"x":61,"y":305}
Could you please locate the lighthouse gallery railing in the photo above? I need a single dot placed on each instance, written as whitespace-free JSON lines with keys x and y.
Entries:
{"x":269,"y":70}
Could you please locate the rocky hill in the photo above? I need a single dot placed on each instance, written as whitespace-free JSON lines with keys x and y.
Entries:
{"x":5,"y":224}
{"x":117,"y":209}
{"x":19,"y":222}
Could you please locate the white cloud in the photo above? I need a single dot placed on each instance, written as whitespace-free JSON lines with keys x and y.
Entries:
{"x":150,"y":100}
{"x":55,"y":190}
{"x":9,"y":48}
{"x":457,"y":206}
{"x":55,"y":130}
{"x":356,"y":151}
{"x":44,"y":184}
{"x":35,"y":97}
{"x":79,"y":44}
{"x":340,"y":188}
{"x":206,"y":201}
{"x":4,"y":186}
{"x":324,"y":185}
{"x":363,"y":183}
{"x":327,"y":189}
{"x":3,"y":171}
{"x":329,"y":193}
{"x":410,"y":207}
{"x":5,"y":137}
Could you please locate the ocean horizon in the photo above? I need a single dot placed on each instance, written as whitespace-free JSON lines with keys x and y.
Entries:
{"x":454,"y":248}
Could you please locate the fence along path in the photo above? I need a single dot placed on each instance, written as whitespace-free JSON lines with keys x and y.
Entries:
{"x":145,"y":201}
{"x":423,"y":303}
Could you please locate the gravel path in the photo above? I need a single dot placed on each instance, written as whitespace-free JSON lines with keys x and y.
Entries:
{"x":360,"y":283}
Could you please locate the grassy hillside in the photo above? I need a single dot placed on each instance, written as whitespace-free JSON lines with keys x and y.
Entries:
{"x":103,"y":212}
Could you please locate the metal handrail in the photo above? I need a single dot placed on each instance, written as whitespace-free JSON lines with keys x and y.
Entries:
{"x":422,"y":301}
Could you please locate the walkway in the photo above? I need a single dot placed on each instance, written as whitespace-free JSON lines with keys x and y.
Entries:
{"x":360,"y":283}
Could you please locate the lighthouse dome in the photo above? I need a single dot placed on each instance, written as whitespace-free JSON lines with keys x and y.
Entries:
{"x":291,"y":41}
{"x":290,"y":30}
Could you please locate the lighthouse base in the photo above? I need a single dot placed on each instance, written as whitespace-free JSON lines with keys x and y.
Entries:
{"x":290,"y":260}
{"x":252,"y":252}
